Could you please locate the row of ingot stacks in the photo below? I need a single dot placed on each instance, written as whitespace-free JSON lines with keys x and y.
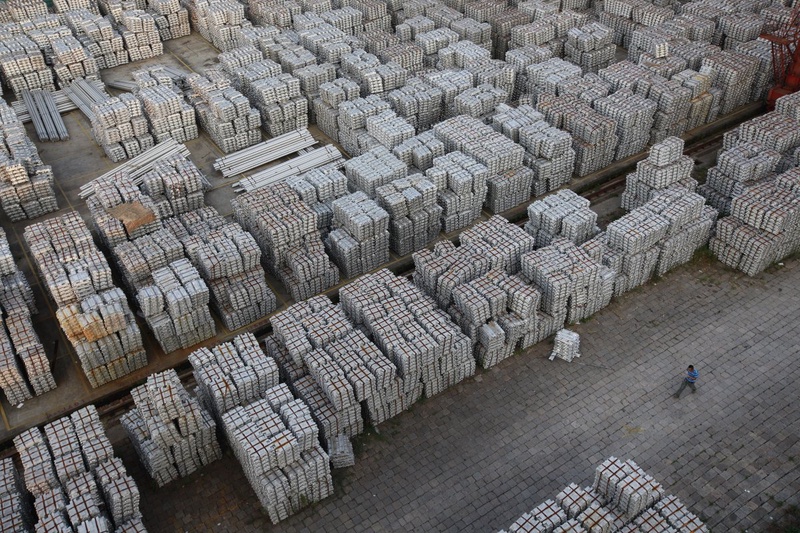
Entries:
{"x":120,"y":127}
{"x":20,"y":345}
{"x":93,"y":313}
{"x":172,"y":20}
{"x":76,"y":482}
{"x":273,"y":435}
{"x":428,"y":349}
{"x":16,"y":512}
{"x":764,"y":225}
{"x":175,"y":306}
{"x":72,"y":61}
{"x":623,"y":497}
{"x":22,"y":65}
{"x":26,"y":184}
{"x":287,"y":231}
{"x":224,"y":113}
{"x":171,"y":433}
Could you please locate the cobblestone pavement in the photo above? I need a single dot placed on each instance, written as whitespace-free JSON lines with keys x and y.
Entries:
{"x":479,"y":455}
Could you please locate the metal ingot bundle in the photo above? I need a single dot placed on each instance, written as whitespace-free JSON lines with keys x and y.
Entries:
{"x":169,"y":115}
{"x":318,"y":189}
{"x":419,"y":151}
{"x":120,"y":127}
{"x":562,"y":215}
{"x":461,"y":188}
{"x":141,"y":35}
{"x":665,"y":167}
{"x":414,"y":216}
{"x":359,"y":241}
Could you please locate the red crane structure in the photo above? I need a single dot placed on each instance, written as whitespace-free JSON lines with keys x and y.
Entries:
{"x":785,"y":57}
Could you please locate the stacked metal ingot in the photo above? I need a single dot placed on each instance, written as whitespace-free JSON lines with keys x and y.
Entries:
{"x":419,"y":151}
{"x":665,"y":167}
{"x":318,"y":189}
{"x":283,"y":108}
{"x":633,"y":115}
{"x":594,"y":136}
{"x":479,"y":141}
{"x":623,"y":497}
{"x":462,"y":189}
{"x":232,"y":374}
{"x":175,"y":186}
{"x":389,"y":129}
{"x":22,"y":65}
{"x":176,"y":306}
{"x":573,"y":284}
{"x":93,"y":313}
{"x":16,"y":513}
{"x":171,"y":432}
{"x":351,"y":120}
{"x":99,"y":37}
{"x":18,"y":339}
{"x":229,"y":261}
{"x":451,"y":82}
{"x":225,"y":113}
{"x":701,"y":99}
{"x":734,"y":74}
{"x":371,"y":75}
{"x":566,"y":346}
{"x":562,"y":215}
{"x":26,"y":184}
{"x":172,"y":19}
{"x":520,"y":59}
{"x":461,"y":54}
{"x":432,"y":41}
{"x":373,"y":169}
{"x":591,"y":46}
{"x":120,"y":211}
{"x":141,"y":35}
{"x":359,"y":241}
{"x":414,"y":216}
{"x":219,"y":22}
{"x":418,"y":102}
{"x":311,"y":78}
{"x":497,"y":311}
{"x":479,"y":102}
{"x":545,"y":77}
{"x":138,"y":258}
{"x":326,"y":106}
{"x":428,"y":349}
{"x":169,"y":115}
{"x":120,"y":127}
{"x":275,"y":441}
{"x":764,"y":225}
{"x":76,"y":482}
{"x":287,"y":231}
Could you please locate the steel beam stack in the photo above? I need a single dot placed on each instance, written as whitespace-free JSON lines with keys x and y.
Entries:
{"x":224,"y":113}
{"x":359,"y":241}
{"x":99,"y":37}
{"x":22,"y":65}
{"x":93,"y":313}
{"x":764,"y":225}
{"x":564,"y":215}
{"x":120,"y":127}
{"x":428,"y":349}
{"x":26,"y":184}
{"x":622,"y":497}
{"x":176,"y":306}
{"x":573,"y":285}
{"x":172,"y":19}
{"x":287,"y":231}
{"x":665,"y":167}
{"x":171,"y":433}
{"x":76,"y":482}
{"x":414,"y":216}
{"x":318,"y":189}
{"x":20,"y":343}
{"x":232,"y":374}
{"x":169,"y":115}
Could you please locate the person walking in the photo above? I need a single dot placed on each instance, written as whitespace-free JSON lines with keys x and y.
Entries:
{"x":691,"y":377}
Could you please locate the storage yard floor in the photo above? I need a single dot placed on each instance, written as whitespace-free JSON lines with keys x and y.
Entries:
{"x":477,"y":456}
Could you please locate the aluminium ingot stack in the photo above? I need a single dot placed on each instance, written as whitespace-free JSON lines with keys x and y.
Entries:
{"x":351,"y":123}
{"x":15,"y":514}
{"x":414,"y":216}
{"x":665,"y":167}
{"x":232,"y":374}
{"x":418,"y":102}
{"x":326,"y":106}
{"x":224,"y":113}
{"x":76,"y":482}
{"x":26,"y":184}
{"x":428,"y":349}
{"x":168,"y":114}
{"x":461,"y":188}
{"x":172,"y":19}
{"x":22,"y":65}
{"x":171,"y":433}
{"x":18,"y":339}
{"x":562,"y":215}
{"x":175,"y":306}
{"x":359,"y":241}
{"x":419,"y":151}
{"x":141,"y":36}
{"x":120,"y":127}
{"x":287,"y":231}
{"x":219,"y":22}
{"x":93,"y":313}
{"x":318,"y":188}
{"x":99,"y":37}
{"x":373,"y":169}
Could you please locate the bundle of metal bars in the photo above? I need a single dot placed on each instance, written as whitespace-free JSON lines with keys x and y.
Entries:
{"x":45,"y":115}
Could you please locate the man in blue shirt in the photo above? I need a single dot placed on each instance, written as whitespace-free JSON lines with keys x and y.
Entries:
{"x":691,"y":377}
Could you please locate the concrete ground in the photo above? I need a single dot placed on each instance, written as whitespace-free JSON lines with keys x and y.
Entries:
{"x":477,"y":456}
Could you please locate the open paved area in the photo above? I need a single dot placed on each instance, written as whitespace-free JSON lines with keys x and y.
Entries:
{"x":479,"y":455}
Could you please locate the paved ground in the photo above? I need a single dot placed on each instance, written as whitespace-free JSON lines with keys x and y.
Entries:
{"x":479,"y":455}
